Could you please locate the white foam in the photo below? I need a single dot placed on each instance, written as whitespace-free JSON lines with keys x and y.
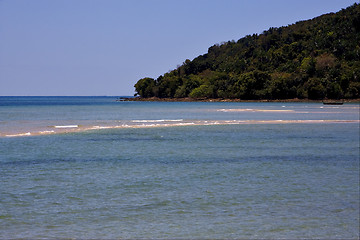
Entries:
{"x":46,"y":132}
{"x":158,"y":120}
{"x":19,"y":134}
{"x":252,"y":110}
{"x":67,"y":126}
{"x":101,"y":127}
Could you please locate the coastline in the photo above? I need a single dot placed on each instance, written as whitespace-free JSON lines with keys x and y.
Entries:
{"x":157,"y":99}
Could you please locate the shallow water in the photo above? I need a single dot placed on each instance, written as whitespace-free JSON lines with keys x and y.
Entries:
{"x":26,"y":116}
{"x":294,"y":178}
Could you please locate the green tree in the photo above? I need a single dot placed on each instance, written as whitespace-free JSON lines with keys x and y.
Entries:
{"x":315,"y":89}
{"x":144,"y":87}
{"x":334,"y":91}
{"x":203,"y":91}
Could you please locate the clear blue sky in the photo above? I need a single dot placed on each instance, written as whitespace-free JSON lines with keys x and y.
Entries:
{"x":102,"y":47}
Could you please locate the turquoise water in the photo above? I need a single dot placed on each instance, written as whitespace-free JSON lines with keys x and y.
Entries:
{"x":177,"y":170}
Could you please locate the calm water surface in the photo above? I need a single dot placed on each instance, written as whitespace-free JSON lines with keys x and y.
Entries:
{"x":177,"y":170}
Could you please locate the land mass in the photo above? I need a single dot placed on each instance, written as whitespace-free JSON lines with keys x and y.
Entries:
{"x":189,"y":99}
{"x":310,"y":60}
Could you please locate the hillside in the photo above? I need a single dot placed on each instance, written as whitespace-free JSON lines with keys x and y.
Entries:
{"x":314,"y":59}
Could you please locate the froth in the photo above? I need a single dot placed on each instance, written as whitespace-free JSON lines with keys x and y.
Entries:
{"x":159,"y":120}
{"x":67,"y":126}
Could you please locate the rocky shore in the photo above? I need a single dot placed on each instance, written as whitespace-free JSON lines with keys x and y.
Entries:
{"x":156,"y":99}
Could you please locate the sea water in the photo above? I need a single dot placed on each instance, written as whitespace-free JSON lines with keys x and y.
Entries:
{"x":92,"y":167}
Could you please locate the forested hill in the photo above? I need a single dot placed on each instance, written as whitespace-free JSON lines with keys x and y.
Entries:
{"x":315,"y":59}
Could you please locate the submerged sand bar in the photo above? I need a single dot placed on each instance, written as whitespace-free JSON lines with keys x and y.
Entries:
{"x":59,"y":129}
{"x":257,"y":114}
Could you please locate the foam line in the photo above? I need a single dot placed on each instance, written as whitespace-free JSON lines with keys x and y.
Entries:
{"x":18,"y":135}
{"x":159,"y":120}
{"x":67,"y":126}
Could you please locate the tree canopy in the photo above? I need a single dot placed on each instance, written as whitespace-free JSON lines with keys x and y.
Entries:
{"x":315,"y":59}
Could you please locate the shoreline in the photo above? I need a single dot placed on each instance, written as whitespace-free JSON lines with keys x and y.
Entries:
{"x":157,"y":99}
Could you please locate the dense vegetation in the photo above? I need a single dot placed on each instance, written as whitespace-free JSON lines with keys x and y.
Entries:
{"x":315,"y":59}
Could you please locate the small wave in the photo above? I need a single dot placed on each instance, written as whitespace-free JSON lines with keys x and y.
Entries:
{"x":66,"y":126}
{"x":18,"y":135}
{"x":159,"y":120}
{"x":252,"y":110}
{"x":100,"y":127}
{"x":46,"y":132}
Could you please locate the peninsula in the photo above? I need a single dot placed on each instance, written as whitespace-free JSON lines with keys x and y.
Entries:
{"x":315,"y":59}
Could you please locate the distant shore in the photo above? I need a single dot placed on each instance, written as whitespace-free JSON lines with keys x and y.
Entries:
{"x":156,"y":99}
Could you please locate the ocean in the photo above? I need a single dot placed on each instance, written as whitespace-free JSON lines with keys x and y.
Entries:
{"x":94,"y":167}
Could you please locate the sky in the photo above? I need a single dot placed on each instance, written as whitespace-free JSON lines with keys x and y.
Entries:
{"x":102,"y":47}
